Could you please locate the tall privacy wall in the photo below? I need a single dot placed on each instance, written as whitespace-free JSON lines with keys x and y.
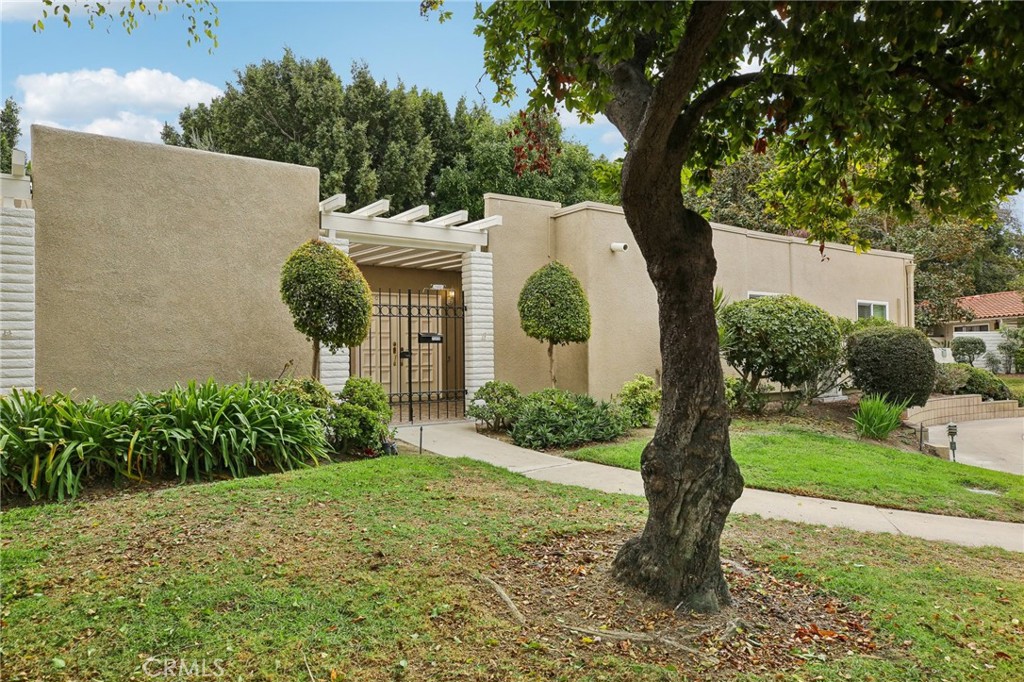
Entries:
{"x":157,"y":265}
{"x":17,"y":298}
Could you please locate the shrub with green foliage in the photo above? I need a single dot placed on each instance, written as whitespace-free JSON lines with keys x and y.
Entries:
{"x":892,"y":361}
{"x":496,"y":404}
{"x":307,"y":391}
{"x":733,"y":389}
{"x":48,"y":444}
{"x":553,"y":418}
{"x":986,"y":384}
{"x":876,"y":417}
{"x":554,"y":308}
{"x":951,"y":377}
{"x":640,"y":399}
{"x":966,"y":349}
{"x":360,"y":423}
{"x":328,"y":297}
{"x":781,"y":338}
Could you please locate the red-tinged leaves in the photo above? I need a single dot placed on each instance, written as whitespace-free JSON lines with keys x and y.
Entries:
{"x":761,"y":145}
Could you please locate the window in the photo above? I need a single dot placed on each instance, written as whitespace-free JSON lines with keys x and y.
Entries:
{"x":759,"y":294}
{"x":866,"y":309}
{"x":971,"y":328}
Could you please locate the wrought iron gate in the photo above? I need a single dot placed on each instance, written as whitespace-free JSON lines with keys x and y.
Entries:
{"x":415,"y":349}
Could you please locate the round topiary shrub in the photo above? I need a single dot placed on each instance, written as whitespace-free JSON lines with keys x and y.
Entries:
{"x":986,"y":384}
{"x":328,"y":297}
{"x":896,"y":362}
{"x":496,"y":404}
{"x":967,"y":349}
{"x":554,"y":308}
{"x":780,"y":338}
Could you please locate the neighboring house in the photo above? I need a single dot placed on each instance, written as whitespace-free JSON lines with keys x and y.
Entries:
{"x":142,"y":265}
{"x":990,"y":313}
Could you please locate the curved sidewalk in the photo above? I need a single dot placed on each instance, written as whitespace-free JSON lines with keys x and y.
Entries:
{"x":462,"y":440}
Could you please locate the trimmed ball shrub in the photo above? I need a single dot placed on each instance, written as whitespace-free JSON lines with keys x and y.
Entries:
{"x":781,"y":338}
{"x":496,"y":404}
{"x":368,"y":393}
{"x":328,"y":297}
{"x":554,"y":308}
{"x":896,"y":362}
{"x":640,"y":399}
{"x":967,"y":349}
{"x":553,"y":418}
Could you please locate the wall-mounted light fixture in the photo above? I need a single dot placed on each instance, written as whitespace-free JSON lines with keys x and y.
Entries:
{"x":619,"y":246}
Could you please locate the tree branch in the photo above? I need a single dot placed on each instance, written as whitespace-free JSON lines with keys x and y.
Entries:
{"x":680,"y":76}
{"x":952,"y":90}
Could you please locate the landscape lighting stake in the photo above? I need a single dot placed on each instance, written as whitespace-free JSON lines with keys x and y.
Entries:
{"x":421,"y":440}
{"x":951,"y":432}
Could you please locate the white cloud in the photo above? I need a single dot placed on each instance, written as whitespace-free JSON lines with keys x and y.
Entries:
{"x":86,"y":93}
{"x":570,"y":119}
{"x":612,"y":137}
{"x":128,"y":125}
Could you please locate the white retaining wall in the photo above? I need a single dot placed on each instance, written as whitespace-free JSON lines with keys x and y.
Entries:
{"x":17,"y":298}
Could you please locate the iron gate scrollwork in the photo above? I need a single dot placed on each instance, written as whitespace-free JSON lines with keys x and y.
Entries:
{"x":415,"y":349}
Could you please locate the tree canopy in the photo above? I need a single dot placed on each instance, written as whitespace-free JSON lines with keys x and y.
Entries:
{"x":371,"y":140}
{"x":864,"y":104}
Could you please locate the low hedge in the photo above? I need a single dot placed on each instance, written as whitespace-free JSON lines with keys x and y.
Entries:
{"x":553,"y":418}
{"x":50,"y":444}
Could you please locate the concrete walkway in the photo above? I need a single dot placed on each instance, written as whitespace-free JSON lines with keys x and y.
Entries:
{"x":461,"y":440}
{"x":996,"y":444}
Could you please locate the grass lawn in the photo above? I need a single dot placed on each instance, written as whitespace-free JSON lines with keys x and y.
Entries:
{"x":796,"y":460}
{"x":370,"y":571}
{"x":1014,"y":381}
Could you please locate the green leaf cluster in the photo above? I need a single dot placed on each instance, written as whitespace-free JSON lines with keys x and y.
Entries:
{"x":328,"y":296}
{"x":553,"y":306}
{"x":553,"y":418}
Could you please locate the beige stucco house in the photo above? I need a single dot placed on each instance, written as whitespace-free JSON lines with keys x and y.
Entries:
{"x":140,"y":265}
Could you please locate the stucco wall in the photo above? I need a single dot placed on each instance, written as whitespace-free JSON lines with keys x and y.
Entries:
{"x":625,"y":337}
{"x":520,"y":246}
{"x":158,"y":265}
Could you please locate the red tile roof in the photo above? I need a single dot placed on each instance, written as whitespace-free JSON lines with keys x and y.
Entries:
{"x":1000,"y":304}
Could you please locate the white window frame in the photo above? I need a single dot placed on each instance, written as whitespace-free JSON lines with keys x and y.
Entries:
{"x":761,"y":294}
{"x":872,"y":303}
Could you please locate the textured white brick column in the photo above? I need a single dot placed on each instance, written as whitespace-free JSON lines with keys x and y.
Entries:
{"x":478,"y":290}
{"x":17,"y":298}
{"x":334,"y":367}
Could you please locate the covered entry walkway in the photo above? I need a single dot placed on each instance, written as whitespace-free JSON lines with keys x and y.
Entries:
{"x":431,"y":343}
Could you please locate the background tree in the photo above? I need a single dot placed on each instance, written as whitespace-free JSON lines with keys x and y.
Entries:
{"x":554,"y":308}
{"x":373,"y":141}
{"x":328,"y":297}
{"x":885,"y":104}
{"x":10,"y":132}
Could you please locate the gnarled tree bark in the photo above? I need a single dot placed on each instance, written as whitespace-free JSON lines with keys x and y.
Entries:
{"x":690,"y":478}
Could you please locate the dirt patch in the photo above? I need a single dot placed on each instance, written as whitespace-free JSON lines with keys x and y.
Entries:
{"x":569,"y":600}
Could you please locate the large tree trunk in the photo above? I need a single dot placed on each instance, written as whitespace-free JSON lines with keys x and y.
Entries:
{"x":690,"y":478}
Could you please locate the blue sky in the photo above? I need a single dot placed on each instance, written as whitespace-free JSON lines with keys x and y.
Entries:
{"x":107,"y":82}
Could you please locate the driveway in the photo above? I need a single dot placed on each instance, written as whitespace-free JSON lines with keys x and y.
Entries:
{"x":996,"y":444}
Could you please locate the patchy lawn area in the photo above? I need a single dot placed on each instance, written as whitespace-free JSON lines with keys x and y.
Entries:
{"x":1014,"y":381}
{"x":374,"y":570}
{"x":797,"y":460}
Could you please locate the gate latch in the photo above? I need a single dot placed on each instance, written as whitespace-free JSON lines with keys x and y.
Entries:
{"x":405,"y":355}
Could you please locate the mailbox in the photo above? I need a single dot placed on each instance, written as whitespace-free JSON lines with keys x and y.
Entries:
{"x":430,"y":337}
